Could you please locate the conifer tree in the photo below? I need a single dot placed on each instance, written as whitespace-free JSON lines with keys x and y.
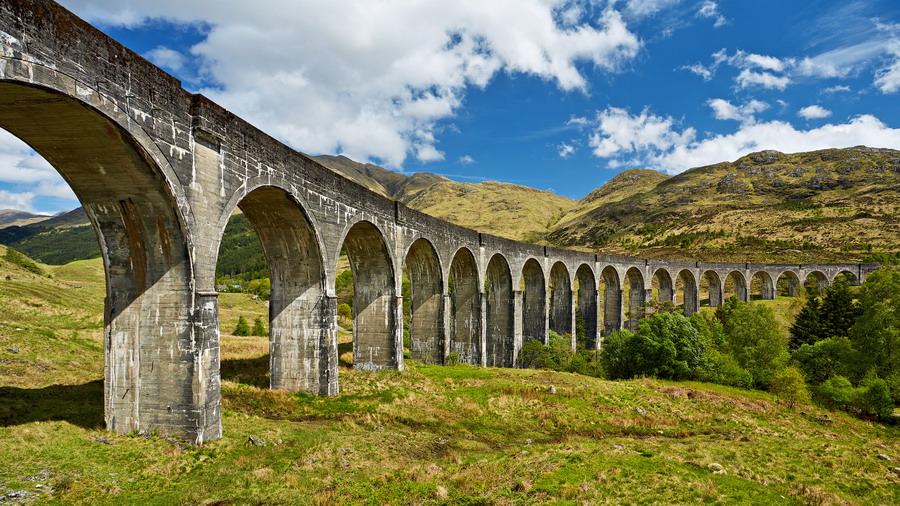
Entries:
{"x":807,"y":326}
{"x":258,"y":328}
{"x":242,"y":329}
{"x":839,"y":311}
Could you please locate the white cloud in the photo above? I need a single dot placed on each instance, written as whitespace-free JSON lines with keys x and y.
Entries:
{"x":709,"y":9}
{"x":167,"y":58}
{"x":566,"y":150}
{"x":642,"y":8}
{"x":746,"y":113}
{"x":748,"y":78}
{"x":654,"y":141}
{"x":466,"y":160}
{"x":814,"y":112}
{"x":836,"y":89}
{"x":22,"y":168}
{"x":371,"y":80}
{"x":578,"y":121}
{"x":887,"y":79}
{"x":20,"y":201}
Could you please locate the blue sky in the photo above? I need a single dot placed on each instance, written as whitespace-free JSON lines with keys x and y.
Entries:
{"x":554,"y":94}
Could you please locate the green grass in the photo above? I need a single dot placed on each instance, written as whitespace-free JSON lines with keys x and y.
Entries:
{"x":430,"y":434}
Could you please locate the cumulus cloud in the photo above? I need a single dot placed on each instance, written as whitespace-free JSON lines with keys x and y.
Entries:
{"x":836,"y":89}
{"x":709,"y":9}
{"x":566,"y":150}
{"x":658,"y":142}
{"x":466,"y":160}
{"x":20,"y":201}
{"x":814,"y":112}
{"x":23,"y":169}
{"x":167,"y":58}
{"x":371,"y":80}
{"x":748,"y":78}
{"x":642,"y":8}
{"x":745,"y":113}
{"x":887,"y":79}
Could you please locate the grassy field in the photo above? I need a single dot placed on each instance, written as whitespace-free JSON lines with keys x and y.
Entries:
{"x":437,"y":435}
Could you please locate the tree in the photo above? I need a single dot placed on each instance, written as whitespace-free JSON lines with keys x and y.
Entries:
{"x":789,"y":387}
{"x":666,"y":346}
{"x":876,"y":333}
{"x":837,"y":392}
{"x":724,"y":311}
{"x":242,"y":329}
{"x":258,"y":328}
{"x":756,"y":341}
{"x":345,"y":311}
{"x":839,"y":311}
{"x":824,"y":359}
{"x":807,"y":326}
{"x":534,"y":354}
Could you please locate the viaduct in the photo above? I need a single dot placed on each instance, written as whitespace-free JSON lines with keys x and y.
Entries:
{"x":160,"y":171}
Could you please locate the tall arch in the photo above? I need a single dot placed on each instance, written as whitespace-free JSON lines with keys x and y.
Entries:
{"x":426,"y":328}
{"x":788,"y":284}
{"x":815,"y":283}
{"x":299,"y":316}
{"x":762,"y":286}
{"x":561,"y":315}
{"x":711,"y":286}
{"x":161,"y":340}
{"x":587,"y":304}
{"x":690,"y":292}
{"x":465,"y":308}
{"x":848,"y":276}
{"x":663,"y":286}
{"x":534,"y":303}
{"x":637,"y":297}
{"x":377,"y":342}
{"x":500,"y":337}
{"x":612,"y":300}
{"x":736,"y":286}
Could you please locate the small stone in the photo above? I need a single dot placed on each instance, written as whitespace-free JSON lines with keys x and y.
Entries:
{"x":105,"y":441}
{"x":345,"y":463}
{"x":379,"y":428}
{"x":715,"y":466}
{"x":618,"y":447}
{"x":883,"y":457}
{"x":552,"y":389}
{"x":720,"y":471}
{"x":528,"y":441}
{"x":256,"y":441}
{"x":279,"y":441}
{"x":12,"y":349}
{"x":442,"y":493}
{"x":311,"y":460}
{"x":640,"y":411}
{"x":896,"y":470}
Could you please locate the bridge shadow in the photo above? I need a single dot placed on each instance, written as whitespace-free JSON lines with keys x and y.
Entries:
{"x":247,"y":371}
{"x":80,"y":405}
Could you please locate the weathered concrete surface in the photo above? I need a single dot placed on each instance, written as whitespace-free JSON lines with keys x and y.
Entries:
{"x":160,"y":170}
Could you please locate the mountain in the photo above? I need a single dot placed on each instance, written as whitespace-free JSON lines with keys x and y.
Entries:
{"x":503,"y":209}
{"x":827,"y":205}
{"x":14,"y":217}
{"x":55,"y":240}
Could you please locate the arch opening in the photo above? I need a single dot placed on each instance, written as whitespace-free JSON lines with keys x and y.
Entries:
{"x":761,"y":286}
{"x":815,"y":284}
{"x":711,"y":293}
{"x":663,"y":288}
{"x":848,"y":276}
{"x":153,"y":336}
{"x":465,"y":308}
{"x":426,"y":304}
{"x":686,"y":285}
{"x":612,"y":300}
{"x":735,"y":286}
{"x":534,"y":303}
{"x":377,"y":340}
{"x":561,"y":315}
{"x":636,"y":296}
{"x":499,"y":337}
{"x":586,"y":304}
{"x":788,"y":284}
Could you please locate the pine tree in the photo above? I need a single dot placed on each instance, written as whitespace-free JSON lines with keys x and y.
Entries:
{"x":242,"y":329}
{"x":807,"y":326}
{"x":258,"y":328}
{"x":839,"y":311}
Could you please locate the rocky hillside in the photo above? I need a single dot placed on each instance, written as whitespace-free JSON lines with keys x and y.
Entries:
{"x":14,"y":217}
{"x":828,"y":205}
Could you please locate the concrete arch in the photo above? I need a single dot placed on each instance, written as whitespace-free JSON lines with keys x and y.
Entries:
{"x":426,"y":329}
{"x":301,"y":318}
{"x":561,"y":308}
{"x":465,"y":308}
{"x":377,"y":337}
{"x":848,"y":275}
{"x":612,"y":300}
{"x":815,"y":283}
{"x":787,"y":284}
{"x":636,"y":296}
{"x":711,"y":284}
{"x":534,"y":302}
{"x":131,"y":197}
{"x":761,"y":286}
{"x":500,"y":330}
{"x":690,"y":292}
{"x":735,"y":285}
{"x":586,"y":294}
{"x":663,"y":286}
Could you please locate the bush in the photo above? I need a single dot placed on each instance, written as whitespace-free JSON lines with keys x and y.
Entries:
{"x":345,"y":311}
{"x":453,"y":358}
{"x":874,"y":397}
{"x":534,"y":355}
{"x":837,"y":392}
{"x":259,"y":329}
{"x":789,"y":387}
{"x":824,"y":359}
{"x":723,"y":369}
{"x":665,"y":346}
{"x":242,"y":329}
{"x":756,"y":341}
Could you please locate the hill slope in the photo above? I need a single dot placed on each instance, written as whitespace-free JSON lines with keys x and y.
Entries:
{"x":829,"y":205}
{"x":14,"y":217}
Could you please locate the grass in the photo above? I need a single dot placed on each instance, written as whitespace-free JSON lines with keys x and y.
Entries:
{"x":431,"y":434}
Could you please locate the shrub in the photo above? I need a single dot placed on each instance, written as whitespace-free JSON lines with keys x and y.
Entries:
{"x":789,"y":387}
{"x":345,"y":311}
{"x":258,"y":328}
{"x":666,"y":346}
{"x":874,"y":397}
{"x":723,"y":369}
{"x":836,"y":392}
{"x":453,"y":358}
{"x":242,"y":329}
{"x":534,"y":355}
{"x":756,"y":341}
{"x":824,"y":359}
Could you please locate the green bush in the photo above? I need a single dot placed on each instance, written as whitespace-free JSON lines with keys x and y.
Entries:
{"x":453,"y":358}
{"x":242,"y":328}
{"x":756,"y":341}
{"x":788,"y":386}
{"x":824,"y":359}
{"x":345,"y":311}
{"x":723,"y":369}
{"x":534,"y":355}
{"x":837,"y":392}
{"x":259,"y":329}
{"x":665,"y":346}
{"x":874,"y":397}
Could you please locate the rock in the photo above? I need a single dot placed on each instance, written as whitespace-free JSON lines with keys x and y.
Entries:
{"x":884,"y":457}
{"x":379,"y":428}
{"x":896,"y":470}
{"x":442,"y":493}
{"x":552,"y":389}
{"x":720,"y":471}
{"x":256,"y":441}
{"x":12,"y":349}
{"x":345,"y":463}
{"x":528,"y":442}
{"x":716,"y":468}
{"x":618,"y":447}
{"x":105,"y":441}
{"x":640,"y":411}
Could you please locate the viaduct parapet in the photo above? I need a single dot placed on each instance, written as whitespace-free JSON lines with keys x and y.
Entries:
{"x":159,"y":172}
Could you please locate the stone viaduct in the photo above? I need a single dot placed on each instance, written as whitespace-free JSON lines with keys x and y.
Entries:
{"x":160,"y":170}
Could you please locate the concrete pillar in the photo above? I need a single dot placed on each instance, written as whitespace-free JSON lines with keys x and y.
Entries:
{"x":691,"y":297}
{"x":518,"y":320}
{"x":447,"y":325}
{"x":613,"y":310}
{"x":598,"y":324}
{"x":482,"y":330}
